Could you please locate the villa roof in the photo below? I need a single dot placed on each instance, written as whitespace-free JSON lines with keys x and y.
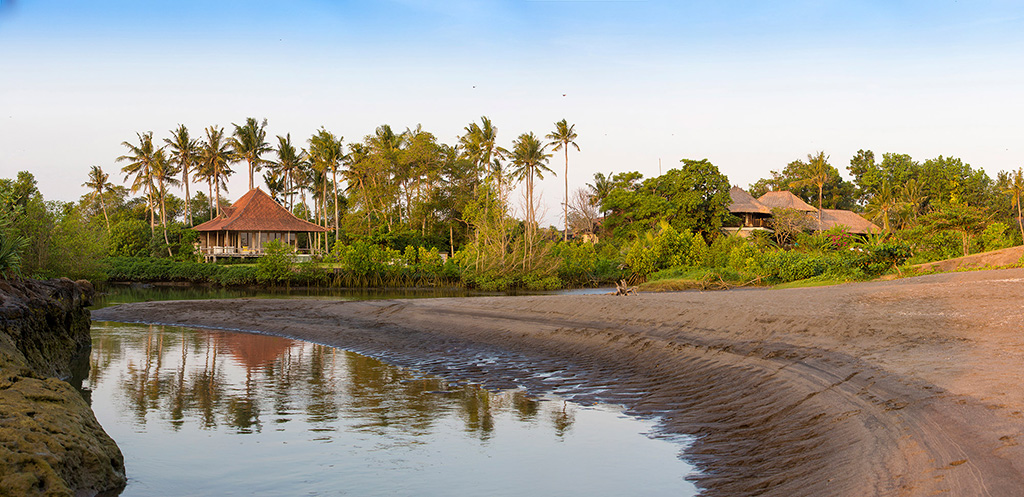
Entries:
{"x":743,"y":202}
{"x":257,"y":211}
{"x":783,"y":199}
{"x":831,"y":218}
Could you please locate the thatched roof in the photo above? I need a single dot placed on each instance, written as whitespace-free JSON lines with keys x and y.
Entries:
{"x":257,"y":211}
{"x":831,"y":218}
{"x":783,"y":199}
{"x":743,"y":203}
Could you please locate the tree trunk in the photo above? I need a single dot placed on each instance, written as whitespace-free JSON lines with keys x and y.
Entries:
{"x":188,"y":211}
{"x":1020,"y":223}
{"x":565,"y":231}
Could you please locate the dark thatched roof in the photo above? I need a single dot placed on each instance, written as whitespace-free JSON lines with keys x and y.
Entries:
{"x":257,"y":211}
{"x":783,"y":199}
{"x":743,"y":203}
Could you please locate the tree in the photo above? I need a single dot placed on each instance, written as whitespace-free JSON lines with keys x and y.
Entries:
{"x":563,"y":136}
{"x":325,"y":152}
{"x":214,"y":156}
{"x":184,"y":152}
{"x":289,"y":162}
{"x":964,"y":219}
{"x":530,"y":160}
{"x":479,"y":144}
{"x":141,"y":158}
{"x":1015,"y":190}
{"x":164,"y":172}
{"x":600,"y":189}
{"x":249,"y":143}
{"x":836,"y":193}
{"x":882,"y":204}
{"x":99,"y":184}
{"x":815,"y":172}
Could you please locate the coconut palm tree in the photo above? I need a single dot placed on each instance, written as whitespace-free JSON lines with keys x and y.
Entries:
{"x":600,"y":188}
{"x":882,"y":204}
{"x":815,"y":173}
{"x":563,"y":136}
{"x":99,"y":184}
{"x":184,"y":153}
{"x":288,"y":163}
{"x":479,"y":144}
{"x":164,"y":173}
{"x":529,"y":159}
{"x":141,"y":158}
{"x":325,"y":152}
{"x":214,"y":158}
{"x":249,"y":143}
{"x":1015,"y":190}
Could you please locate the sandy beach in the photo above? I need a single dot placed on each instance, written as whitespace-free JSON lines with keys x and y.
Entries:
{"x":910,"y":387}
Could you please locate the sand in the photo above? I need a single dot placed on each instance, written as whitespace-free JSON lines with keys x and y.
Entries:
{"x":908,"y":387}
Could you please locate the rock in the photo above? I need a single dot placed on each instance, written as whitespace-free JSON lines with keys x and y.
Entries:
{"x":50,"y":441}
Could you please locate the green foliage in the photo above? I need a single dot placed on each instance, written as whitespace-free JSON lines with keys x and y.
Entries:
{"x":11,"y":247}
{"x":277,"y":264}
{"x":994,"y":237}
{"x":877,"y":259}
{"x":129,"y":238}
{"x":578,"y":262}
{"x":692,"y":198}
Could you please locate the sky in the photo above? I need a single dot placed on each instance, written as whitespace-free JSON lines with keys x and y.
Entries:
{"x":749,"y":85}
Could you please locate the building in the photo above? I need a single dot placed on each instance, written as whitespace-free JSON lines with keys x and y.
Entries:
{"x":244,"y":228}
{"x":751,"y":213}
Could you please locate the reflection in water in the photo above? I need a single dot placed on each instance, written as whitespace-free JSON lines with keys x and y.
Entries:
{"x":243,"y":413}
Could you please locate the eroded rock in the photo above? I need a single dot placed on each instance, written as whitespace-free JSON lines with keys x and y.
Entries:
{"x":50,"y":441}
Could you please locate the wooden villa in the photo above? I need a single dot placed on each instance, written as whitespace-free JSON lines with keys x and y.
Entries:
{"x":246,"y":226}
{"x":753,"y":215}
{"x":756,"y":214}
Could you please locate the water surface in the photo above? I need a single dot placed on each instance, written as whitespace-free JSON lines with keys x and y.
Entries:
{"x":199,"y":412}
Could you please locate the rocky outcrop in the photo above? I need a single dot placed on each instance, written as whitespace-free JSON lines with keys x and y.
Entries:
{"x":50,"y":441}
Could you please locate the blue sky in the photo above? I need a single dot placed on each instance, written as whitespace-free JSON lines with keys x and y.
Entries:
{"x":749,"y":85}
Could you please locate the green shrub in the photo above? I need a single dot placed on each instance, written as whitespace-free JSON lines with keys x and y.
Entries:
{"x":277,"y":264}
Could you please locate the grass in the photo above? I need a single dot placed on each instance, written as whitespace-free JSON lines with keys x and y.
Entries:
{"x":702,"y":278}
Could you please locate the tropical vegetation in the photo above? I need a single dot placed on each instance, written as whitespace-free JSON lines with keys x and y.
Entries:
{"x":401,"y":208}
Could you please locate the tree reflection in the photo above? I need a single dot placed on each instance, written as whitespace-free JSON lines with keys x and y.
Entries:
{"x":209,"y":379}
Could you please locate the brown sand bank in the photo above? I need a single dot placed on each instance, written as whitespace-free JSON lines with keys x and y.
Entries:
{"x":908,"y":387}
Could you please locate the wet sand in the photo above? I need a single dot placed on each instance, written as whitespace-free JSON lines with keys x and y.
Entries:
{"x":910,"y":387}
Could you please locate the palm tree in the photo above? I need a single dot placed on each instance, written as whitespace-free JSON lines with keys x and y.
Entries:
{"x":882,"y":204}
{"x":288,"y":163}
{"x":249,"y":142}
{"x":163,"y":171}
{"x":912,"y":197}
{"x":815,"y":173}
{"x":600,"y":189}
{"x":99,"y":185}
{"x":561,"y":138}
{"x":141,"y":158}
{"x":479,"y":144}
{"x":185,"y":151}
{"x":325,"y":152}
{"x":1015,"y":190}
{"x":214,"y":156}
{"x":530,"y":160}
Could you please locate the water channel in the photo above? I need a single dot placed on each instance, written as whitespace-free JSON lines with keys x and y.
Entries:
{"x":202,"y":412}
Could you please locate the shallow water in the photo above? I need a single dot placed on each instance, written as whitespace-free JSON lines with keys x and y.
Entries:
{"x":199,"y":412}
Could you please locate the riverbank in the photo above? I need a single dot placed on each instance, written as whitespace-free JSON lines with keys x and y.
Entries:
{"x":50,"y":441}
{"x":907,"y":387}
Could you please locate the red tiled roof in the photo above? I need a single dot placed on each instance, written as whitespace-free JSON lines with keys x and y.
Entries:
{"x":257,"y":211}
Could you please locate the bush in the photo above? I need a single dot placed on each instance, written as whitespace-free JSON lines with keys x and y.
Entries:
{"x":277,"y":263}
{"x":995,"y":237}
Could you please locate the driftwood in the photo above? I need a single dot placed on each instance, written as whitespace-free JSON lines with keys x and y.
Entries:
{"x":623,"y":288}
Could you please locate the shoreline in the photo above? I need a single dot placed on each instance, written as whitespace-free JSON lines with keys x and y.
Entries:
{"x":906,"y":387}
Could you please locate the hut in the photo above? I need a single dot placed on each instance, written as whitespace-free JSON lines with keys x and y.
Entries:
{"x":246,"y":226}
{"x":853,"y":222}
{"x":783,"y":199}
{"x":753,"y":215}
